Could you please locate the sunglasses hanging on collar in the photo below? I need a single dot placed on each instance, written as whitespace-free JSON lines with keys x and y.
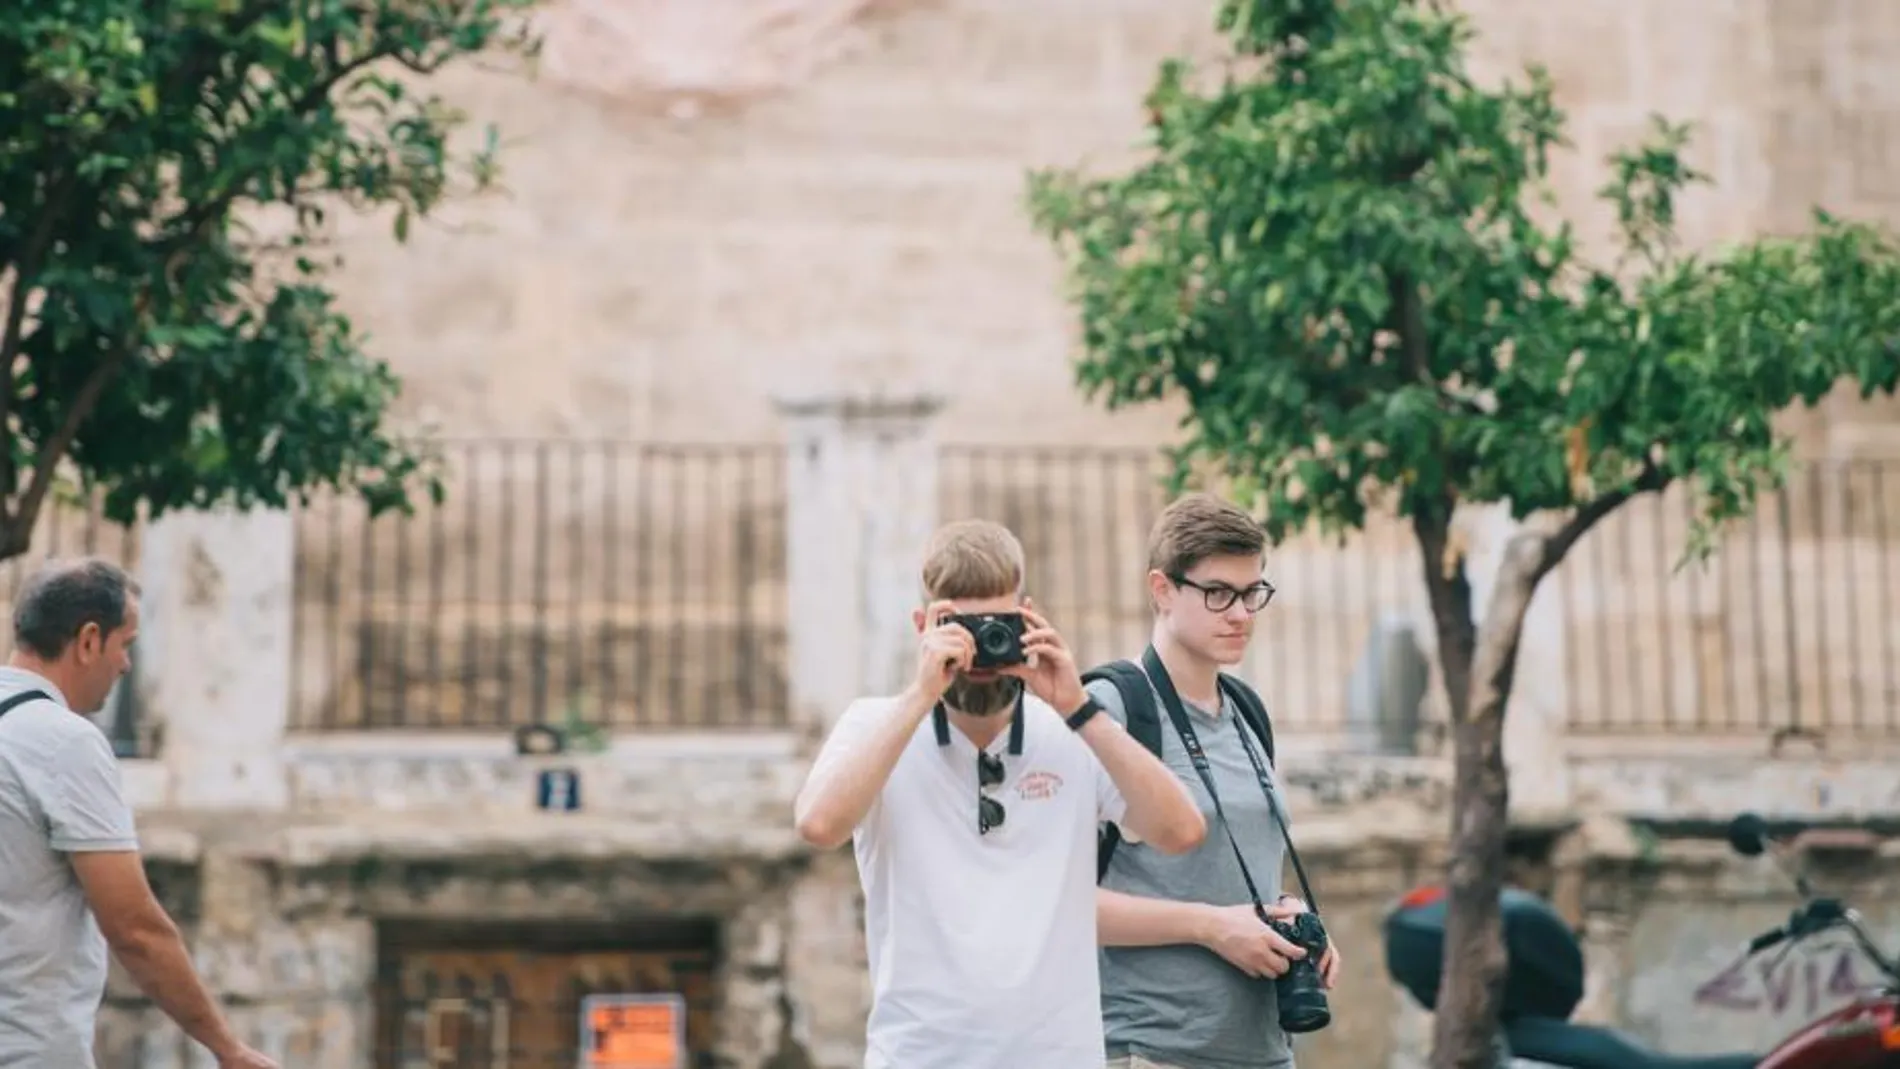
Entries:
{"x":990,"y":771}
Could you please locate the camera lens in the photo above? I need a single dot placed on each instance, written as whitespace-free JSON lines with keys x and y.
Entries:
{"x":993,"y":639}
{"x":1301,"y":993}
{"x":1303,"y":1006}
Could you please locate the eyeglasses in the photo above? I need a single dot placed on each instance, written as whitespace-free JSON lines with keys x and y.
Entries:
{"x":989,"y":811}
{"x":1219,"y":597}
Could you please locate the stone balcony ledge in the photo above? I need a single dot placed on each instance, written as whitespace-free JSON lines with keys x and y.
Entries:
{"x":309,"y":841}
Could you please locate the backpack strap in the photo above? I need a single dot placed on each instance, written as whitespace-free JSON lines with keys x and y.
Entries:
{"x":1252,"y":709}
{"x":1144,"y":723}
{"x":21,"y":699}
{"x":1138,"y":700}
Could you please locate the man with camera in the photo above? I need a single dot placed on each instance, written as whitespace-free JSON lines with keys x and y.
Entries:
{"x":972,"y":799}
{"x":1205,"y":964}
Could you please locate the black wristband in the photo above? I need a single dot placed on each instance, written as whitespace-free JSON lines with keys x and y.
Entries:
{"x":1083,"y":715}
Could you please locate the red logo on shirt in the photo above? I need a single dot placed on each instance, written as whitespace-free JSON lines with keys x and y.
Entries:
{"x":1038,"y":786}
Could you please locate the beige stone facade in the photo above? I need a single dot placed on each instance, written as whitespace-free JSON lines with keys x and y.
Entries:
{"x":667,"y":256}
{"x":836,"y":214}
{"x":297,"y":919}
{"x":327,"y":876}
{"x":828,"y":198}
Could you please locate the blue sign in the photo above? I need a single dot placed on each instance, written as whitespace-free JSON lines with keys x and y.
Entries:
{"x":558,"y":788}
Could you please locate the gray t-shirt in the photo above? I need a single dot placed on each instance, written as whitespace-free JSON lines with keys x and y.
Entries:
{"x":1185,"y":1005}
{"x":59,"y":794}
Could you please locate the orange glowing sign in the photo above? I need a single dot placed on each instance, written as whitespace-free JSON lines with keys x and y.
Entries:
{"x":633,"y":1032}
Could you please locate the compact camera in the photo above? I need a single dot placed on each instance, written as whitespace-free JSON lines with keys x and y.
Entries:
{"x":1301,"y":995}
{"x":999,"y":637}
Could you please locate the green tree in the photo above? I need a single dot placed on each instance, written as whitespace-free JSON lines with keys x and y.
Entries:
{"x":1328,"y":253}
{"x":165,"y":174}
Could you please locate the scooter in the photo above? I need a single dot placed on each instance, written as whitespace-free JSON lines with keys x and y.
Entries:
{"x":1544,"y":984}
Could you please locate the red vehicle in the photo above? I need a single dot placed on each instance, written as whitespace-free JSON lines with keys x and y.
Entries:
{"x":1544,"y":984}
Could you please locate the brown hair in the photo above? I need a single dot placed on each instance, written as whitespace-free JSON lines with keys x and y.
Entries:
{"x":1198,"y":526}
{"x":62,"y":596}
{"x":972,"y":559}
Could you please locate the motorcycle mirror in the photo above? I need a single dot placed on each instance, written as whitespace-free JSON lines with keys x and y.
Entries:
{"x":1748,"y":835}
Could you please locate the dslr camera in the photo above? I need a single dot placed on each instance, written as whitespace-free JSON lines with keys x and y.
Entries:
{"x":1301,"y":995}
{"x":999,"y":637}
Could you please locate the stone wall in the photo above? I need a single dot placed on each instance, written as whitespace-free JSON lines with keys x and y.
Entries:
{"x":671,"y":255}
{"x":292,"y":858}
{"x":662,"y":265}
{"x":1664,"y":921}
{"x":659,"y":271}
{"x":287,"y":924}
{"x":1683,"y":987}
{"x":287,"y":932}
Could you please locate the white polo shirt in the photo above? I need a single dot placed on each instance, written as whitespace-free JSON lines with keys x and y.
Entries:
{"x":982,"y":947}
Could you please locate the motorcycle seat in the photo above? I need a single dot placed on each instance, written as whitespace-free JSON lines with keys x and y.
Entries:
{"x":1582,"y":1046}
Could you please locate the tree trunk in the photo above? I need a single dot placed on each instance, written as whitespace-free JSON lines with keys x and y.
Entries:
{"x":1471,"y":983}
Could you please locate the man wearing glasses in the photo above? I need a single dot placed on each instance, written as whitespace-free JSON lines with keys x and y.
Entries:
{"x":1187,"y":963}
{"x":972,"y":799}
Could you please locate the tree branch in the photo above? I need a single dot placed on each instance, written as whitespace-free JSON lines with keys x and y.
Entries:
{"x":1449,"y":590}
{"x":20,"y":525}
{"x":1407,"y":168}
{"x":25,"y":270}
{"x":1409,"y":313}
{"x":1552,"y":552}
{"x":420,"y":65}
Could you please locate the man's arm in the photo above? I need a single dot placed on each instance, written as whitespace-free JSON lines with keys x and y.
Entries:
{"x":1160,"y":811}
{"x":1233,"y":932}
{"x":148,"y":944}
{"x":853,"y":767}
{"x":857,"y":759}
{"x":1125,"y":920}
{"x":89,"y":821}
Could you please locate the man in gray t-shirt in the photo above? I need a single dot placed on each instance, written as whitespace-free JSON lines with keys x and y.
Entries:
{"x":1187,"y":967}
{"x":72,"y":883}
{"x":59,"y":795}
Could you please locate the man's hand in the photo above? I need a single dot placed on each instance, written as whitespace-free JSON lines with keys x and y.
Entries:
{"x":943,"y":650}
{"x":1049,"y":669}
{"x":1238,"y":935}
{"x":245,"y":1058}
{"x":1285,"y":909}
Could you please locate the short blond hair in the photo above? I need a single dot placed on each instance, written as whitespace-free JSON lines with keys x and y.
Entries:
{"x":972,"y":559}
{"x":1198,"y":526}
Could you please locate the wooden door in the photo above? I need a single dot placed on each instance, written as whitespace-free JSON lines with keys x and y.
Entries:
{"x":499,"y":1008}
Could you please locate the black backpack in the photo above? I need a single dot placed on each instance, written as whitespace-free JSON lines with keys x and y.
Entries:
{"x":1144,"y":723}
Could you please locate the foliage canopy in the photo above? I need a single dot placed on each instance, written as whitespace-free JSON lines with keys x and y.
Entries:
{"x":165,"y":174}
{"x":1333,"y":258}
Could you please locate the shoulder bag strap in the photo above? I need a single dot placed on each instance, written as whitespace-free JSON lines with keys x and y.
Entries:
{"x":21,"y":699}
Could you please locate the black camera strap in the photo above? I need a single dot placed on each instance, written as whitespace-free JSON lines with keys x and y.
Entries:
{"x":940,"y":724}
{"x":1191,"y":740}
